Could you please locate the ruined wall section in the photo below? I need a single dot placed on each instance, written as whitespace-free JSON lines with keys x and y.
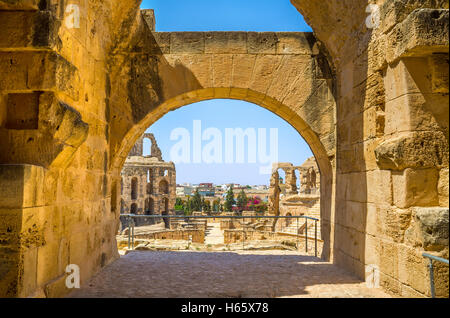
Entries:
{"x":138,"y":167}
{"x":55,"y":188}
{"x":392,"y":137}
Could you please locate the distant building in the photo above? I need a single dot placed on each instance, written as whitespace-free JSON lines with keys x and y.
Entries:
{"x":148,"y":184}
{"x":184,"y":190}
{"x":206,"y":189}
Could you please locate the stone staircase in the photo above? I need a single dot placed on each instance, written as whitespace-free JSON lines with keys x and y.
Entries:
{"x":300,"y":229}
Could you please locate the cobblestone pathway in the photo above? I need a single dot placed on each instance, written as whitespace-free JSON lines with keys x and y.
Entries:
{"x":223,"y":274}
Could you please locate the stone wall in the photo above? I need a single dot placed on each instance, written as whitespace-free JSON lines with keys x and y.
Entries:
{"x":299,"y":241}
{"x":56,"y":187}
{"x":392,"y":135}
{"x":198,"y":236}
{"x":371,"y":103}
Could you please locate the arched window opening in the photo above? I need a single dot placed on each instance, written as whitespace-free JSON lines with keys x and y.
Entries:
{"x":134,"y":188}
{"x":134,"y":208}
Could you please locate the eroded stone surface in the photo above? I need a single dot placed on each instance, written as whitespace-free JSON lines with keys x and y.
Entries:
{"x":371,"y":103}
{"x":195,"y":274}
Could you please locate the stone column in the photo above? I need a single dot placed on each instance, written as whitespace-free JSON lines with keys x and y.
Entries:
{"x":413,"y":156}
{"x":274,"y":194}
{"x":291,"y":181}
{"x":21,"y":234}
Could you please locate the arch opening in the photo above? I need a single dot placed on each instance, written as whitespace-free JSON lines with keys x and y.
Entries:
{"x":282,"y":111}
{"x":134,"y":188}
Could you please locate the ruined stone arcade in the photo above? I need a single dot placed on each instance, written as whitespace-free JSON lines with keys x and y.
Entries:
{"x":148,"y":184}
{"x":371,"y":103}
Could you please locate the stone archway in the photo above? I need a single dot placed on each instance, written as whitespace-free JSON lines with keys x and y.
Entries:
{"x":285,"y":73}
{"x":93,"y":90}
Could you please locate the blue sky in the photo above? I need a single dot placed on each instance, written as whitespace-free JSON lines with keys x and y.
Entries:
{"x":226,"y":15}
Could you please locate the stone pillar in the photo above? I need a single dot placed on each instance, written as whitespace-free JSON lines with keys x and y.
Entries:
{"x":274,"y":194}
{"x":415,"y":156}
{"x":154,"y":151}
{"x":291,"y":181}
{"x":137,"y":149}
{"x":21,"y":234}
{"x":149,"y":17}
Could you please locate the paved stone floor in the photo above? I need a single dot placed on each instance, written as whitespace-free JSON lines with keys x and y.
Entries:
{"x":214,"y":235}
{"x":223,"y":274}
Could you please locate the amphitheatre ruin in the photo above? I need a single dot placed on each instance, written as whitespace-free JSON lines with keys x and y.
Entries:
{"x":371,"y":101}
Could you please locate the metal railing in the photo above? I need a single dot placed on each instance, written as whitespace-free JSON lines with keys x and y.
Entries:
{"x":131,"y":224}
{"x":432,"y":258}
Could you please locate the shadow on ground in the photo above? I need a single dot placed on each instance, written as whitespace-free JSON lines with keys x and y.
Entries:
{"x":222,"y":275}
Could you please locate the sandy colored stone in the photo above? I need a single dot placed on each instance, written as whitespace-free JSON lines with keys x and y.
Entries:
{"x":415,"y":188}
{"x":350,"y":91}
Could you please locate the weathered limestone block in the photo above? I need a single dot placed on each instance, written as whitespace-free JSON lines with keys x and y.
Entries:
{"x":226,"y":42}
{"x":439,"y":72}
{"x":394,"y":12}
{"x":296,"y":43}
{"x":60,"y":132}
{"x":20,"y":186}
{"x":413,"y":271}
{"x":415,"y":97}
{"x":416,"y":112}
{"x":443,"y":187}
{"x":429,"y":229}
{"x":386,"y":221}
{"x":20,"y":227}
{"x":149,"y":17}
{"x":415,"y":188}
{"x":265,"y":67}
{"x":292,"y":70}
{"x":27,"y":29}
{"x":187,"y":42}
{"x":379,"y":186}
{"x":19,"y":4}
{"x":41,"y":70}
{"x":415,"y":150}
{"x":423,"y":32}
{"x":407,"y":76}
{"x":262,"y":42}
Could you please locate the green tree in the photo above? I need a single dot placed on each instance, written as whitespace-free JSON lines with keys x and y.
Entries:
{"x":179,"y":204}
{"x":188,"y":207}
{"x":229,"y":200}
{"x":206,"y":206}
{"x":242,"y":200}
{"x":216,"y":205}
{"x":197,"y":202}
